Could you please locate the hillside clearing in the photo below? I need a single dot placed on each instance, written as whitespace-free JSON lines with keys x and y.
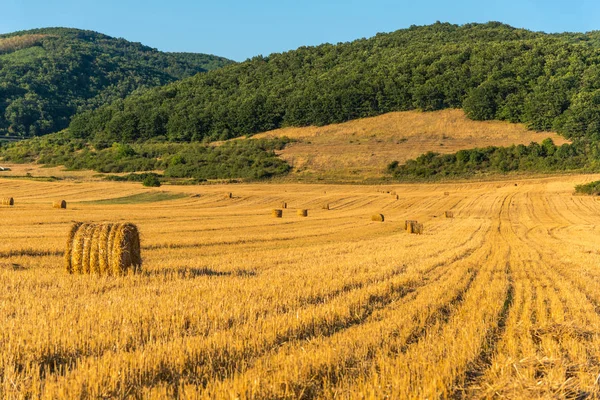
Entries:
{"x":362,"y":149}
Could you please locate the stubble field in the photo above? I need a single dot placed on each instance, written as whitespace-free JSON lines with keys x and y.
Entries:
{"x":501,"y":301}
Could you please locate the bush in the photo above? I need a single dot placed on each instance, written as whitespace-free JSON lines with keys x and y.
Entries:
{"x":151,"y":181}
{"x":592,"y":188}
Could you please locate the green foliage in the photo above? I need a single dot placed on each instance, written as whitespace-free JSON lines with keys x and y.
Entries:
{"x":151,"y":197}
{"x":47,"y":75}
{"x":544,"y":157}
{"x":133,"y":177}
{"x":248,"y":159}
{"x":592,"y":188}
{"x":492,"y":70}
{"x":151,"y":181}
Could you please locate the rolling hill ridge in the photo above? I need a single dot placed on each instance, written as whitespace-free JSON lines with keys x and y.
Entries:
{"x":48,"y":75}
{"x":492,"y":71}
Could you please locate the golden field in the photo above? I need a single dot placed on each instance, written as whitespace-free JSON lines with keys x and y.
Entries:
{"x":500,"y":301}
{"x":360,"y":149}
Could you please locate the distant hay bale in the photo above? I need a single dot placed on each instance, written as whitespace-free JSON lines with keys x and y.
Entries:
{"x":418,"y":229}
{"x":408,"y":223}
{"x":59,"y":204}
{"x":303,"y":213}
{"x":393,"y":192}
{"x":325,"y":206}
{"x":414,"y":227}
{"x":8,"y":201}
{"x":449,"y":214}
{"x":229,"y":195}
{"x":277,"y":213}
{"x":516,"y":184}
{"x":446,"y":193}
{"x":105,"y":249}
{"x":397,"y":197}
{"x":283,"y":204}
{"x":377,"y":217}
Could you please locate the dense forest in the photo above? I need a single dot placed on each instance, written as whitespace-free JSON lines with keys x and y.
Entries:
{"x":48,"y":75}
{"x":492,"y":71}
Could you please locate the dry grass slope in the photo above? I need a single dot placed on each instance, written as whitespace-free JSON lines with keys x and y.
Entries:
{"x":363,"y":148}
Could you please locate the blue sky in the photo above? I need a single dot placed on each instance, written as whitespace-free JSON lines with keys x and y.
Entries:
{"x":242,"y":29}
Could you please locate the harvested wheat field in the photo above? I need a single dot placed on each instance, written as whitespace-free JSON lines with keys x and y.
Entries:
{"x":362,"y":148}
{"x":502,"y":300}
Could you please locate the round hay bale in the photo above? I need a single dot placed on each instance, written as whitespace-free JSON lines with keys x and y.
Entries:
{"x":8,"y":201}
{"x":277,"y":213}
{"x":69,"y":249}
{"x":397,"y":197}
{"x":229,"y":195}
{"x":325,"y":206}
{"x":377,"y":218}
{"x":125,"y":253}
{"x":105,"y":249}
{"x":110,"y":244}
{"x":418,"y":229}
{"x":449,"y":214}
{"x":283,"y":204}
{"x":59,"y":204}
{"x":103,"y":253}
{"x":393,"y":192}
{"x":303,"y":213}
{"x":94,"y":264}
{"x":408,"y":223}
{"x":87,"y":246}
{"x":77,"y":249}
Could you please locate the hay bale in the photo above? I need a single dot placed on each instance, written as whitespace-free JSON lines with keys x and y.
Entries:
{"x":8,"y":201}
{"x":69,"y":250}
{"x":229,"y":196}
{"x":59,"y":204}
{"x":397,"y":197}
{"x":408,"y":223}
{"x":105,"y":249}
{"x":283,"y":204}
{"x":325,"y":206}
{"x":414,"y":227}
{"x":446,"y":193}
{"x":303,"y":213}
{"x":277,"y":213}
{"x":418,"y":229}
{"x":103,"y":262}
{"x":393,"y":193}
{"x":126,"y":249}
{"x":449,"y":214}
{"x":377,"y":218}
{"x":87,"y":248}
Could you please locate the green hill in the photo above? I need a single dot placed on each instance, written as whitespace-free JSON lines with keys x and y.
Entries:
{"x":48,"y":75}
{"x":491,"y":70}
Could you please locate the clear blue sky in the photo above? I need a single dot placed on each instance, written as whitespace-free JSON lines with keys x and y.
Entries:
{"x":239,"y":29}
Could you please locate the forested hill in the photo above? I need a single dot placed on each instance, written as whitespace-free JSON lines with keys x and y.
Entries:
{"x":491,"y":70}
{"x":47,"y":75}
